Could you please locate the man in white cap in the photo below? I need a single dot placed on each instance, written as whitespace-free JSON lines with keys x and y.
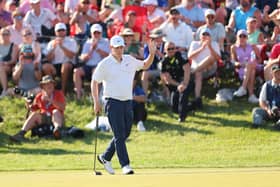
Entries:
{"x":60,"y":53}
{"x":217,"y":29}
{"x":116,"y":72}
{"x":94,"y":50}
{"x":204,"y":55}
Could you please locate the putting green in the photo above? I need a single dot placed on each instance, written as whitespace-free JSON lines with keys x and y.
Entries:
{"x":249,"y":177}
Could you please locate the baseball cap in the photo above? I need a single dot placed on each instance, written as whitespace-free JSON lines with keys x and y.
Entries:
{"x":205,"y":30}
{"x":275,"y":68}
{"x":174,"y":11}
{"x":34,"y":1}
{"x":209,"y":12}
{"x":26,"y":48}
{"x":59,"y":26}
{"x":250,"y":19}
{"x":96,"y":27}
{"x":117,"y":41}
{"x":242,"y":31}
{"x":150,"y":2}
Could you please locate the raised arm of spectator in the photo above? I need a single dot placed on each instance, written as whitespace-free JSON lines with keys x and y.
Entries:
{"x":152,"y":50}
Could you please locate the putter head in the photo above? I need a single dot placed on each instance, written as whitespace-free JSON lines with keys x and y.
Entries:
{"x":98,"y":173}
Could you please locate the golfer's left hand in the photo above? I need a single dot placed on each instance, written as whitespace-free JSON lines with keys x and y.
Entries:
{"x":152,"y":47}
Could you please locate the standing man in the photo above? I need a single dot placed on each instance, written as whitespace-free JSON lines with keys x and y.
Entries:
{"x":116,"y":72}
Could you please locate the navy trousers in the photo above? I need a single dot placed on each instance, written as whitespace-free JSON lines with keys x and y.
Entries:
{"x":120,"y":115}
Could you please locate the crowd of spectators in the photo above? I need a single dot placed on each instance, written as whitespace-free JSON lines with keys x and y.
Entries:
{"x":66,"y":39}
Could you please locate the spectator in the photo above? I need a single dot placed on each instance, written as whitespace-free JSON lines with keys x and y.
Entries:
{"x":175,"y":74}
{"x":11,"y":5}
{"x":153,"y":72}
{"x":218,"y":33}
{"x":5,"y":16}
{"x":204,"y":55}
{"x":94,"y":50}
{"x":156,"y":16}
{"x":47,"y":108}
{"x":41,"y":19}
{"x":26,"y":5}
{"x":139,"y":100}
{"x":62,"y":16}
{"x":255,"y":36}
{"x":191,"y":14}
{"x":27,"y":73}
{"x":81,"y":19}
{"x":8,"y":55}
{"x":274,"y":58}
{"x":131,"y":46}
{"x":29,"y":38}
{"x":245,"y":57}
{"x":60,"y":53}
{"x":269,"y":101}
{"x":17,"y":27}
{"x":177,"y":32}
{"x":240,"y":14}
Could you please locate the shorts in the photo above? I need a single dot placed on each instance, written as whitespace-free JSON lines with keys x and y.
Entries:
{"x":88,"y":71}
{"x":46,"y":119}
{"x":211,"y":71}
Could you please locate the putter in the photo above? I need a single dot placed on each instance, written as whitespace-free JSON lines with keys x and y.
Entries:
{"x":94,"y":164}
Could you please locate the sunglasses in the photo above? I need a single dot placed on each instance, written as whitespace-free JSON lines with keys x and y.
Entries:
{"x":96,"y":32}
{"x":19,"y":17}
{"x":5,"y":34}
{"x":205,"y":34}
{"x":170,"y":48}
{"x":242,"y":36}
{"x":60,"y":30}
{"x":27,"y":34}
{"x":210,"y":17}
{"x":85,"y":2}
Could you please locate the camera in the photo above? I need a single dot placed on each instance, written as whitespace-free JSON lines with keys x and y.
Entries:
{"x":29,"y":97}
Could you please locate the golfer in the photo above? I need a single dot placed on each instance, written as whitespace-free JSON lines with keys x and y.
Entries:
{"x":116,"y":72}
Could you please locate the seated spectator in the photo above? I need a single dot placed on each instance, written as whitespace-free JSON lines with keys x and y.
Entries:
{"x":191,"y":14}
{"x":255,"y":36}
{"x":5,"y":16}
{"x":8,"y":57}
{"x":218,"y":33}
{"x":177,"y":32}
{"x":60,"y":53}
{"x":47,"y":108}
{"x":245,"y":57}
{"x":156,"y":16}
{"x":204,"y":55}
{"x":131,"y":46}
{"x":175,"y":74}
{"x":269,"y":101}
{"x":139,"y":100}
{"x":153,"y":72}
{"x":94,"y":50}
{"x":27,"y":73}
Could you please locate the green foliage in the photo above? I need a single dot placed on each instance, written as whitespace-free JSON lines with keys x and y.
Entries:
{"x":218,"y":136}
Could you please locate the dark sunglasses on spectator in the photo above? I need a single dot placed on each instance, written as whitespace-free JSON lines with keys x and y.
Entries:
{"x":5,"y":34}
{"x":18,"y":17}
{"x":170,"y":48}
{"x":27,"y":34}
{"x":59,"y":30}
{"x":242,"y":36}
{"x":210,"y":17}
{"x":205,"y":34}
{"x":96,"y":32}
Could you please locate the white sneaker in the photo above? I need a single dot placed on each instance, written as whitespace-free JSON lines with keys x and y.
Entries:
{"x":107,"y":164}
{"x":253,"y":99}
{"x":140,"y":126}
{"x":127,"y":170}
{"x":240,"y":92}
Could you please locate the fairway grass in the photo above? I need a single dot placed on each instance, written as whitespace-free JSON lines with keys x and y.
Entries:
{"x":250,"y":177}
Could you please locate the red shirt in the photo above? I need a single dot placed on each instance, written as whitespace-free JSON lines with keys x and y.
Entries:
{"x":45,"y":107}
{"x":275,"y":51}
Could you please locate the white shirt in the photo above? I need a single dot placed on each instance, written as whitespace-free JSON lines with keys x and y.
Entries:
{"x":95,"y":57}
{"x":59,"y":56}
{"x":117,"y":78}
{"x":45,"y":18}
{"x":203,"y":54}
{"x":16,"y":36}
{"x":181,"y":35}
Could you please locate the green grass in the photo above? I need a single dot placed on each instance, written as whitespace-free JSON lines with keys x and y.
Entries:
{"x":217,"y":136}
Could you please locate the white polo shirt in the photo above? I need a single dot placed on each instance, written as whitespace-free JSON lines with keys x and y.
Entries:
{"x":45,"y":18}
{"x":117,"y":78}
{"x":59,"y":56}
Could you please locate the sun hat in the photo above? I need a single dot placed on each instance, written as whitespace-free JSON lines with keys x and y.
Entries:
{"x":47,"y":79}
{"x":127,"y":32}
{"x":156,"y":33}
